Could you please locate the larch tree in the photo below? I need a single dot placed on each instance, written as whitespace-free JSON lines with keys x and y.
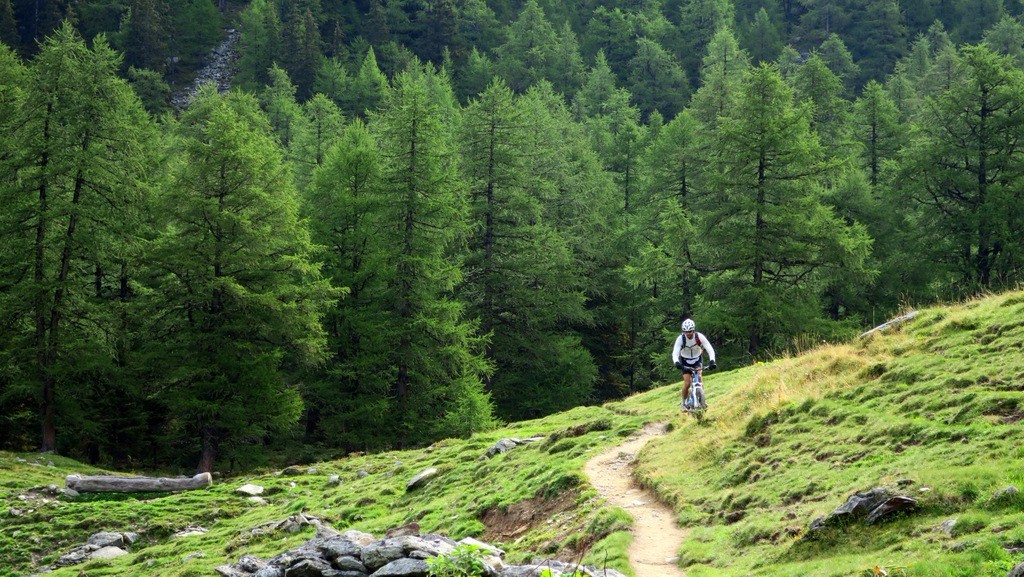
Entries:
{"x":436,"y":352}
{"x":75,"y":167}
{"x":350,"y":400}
{"x":964,"y":166}
{"x":723,"y":67}
{"x":240,"y":302}
{"x":518,"y":270}
{"x":773,"y":241}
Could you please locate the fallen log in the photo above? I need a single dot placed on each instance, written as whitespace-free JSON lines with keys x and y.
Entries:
{"x":890,"y":324}
{"x":114,"y":484}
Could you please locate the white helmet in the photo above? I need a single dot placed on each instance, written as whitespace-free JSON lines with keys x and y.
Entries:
{"x":688,"y":325}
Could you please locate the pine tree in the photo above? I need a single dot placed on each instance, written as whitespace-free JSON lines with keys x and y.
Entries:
{"x":838,"y":59}
{"x":283,"y":112}
{"x":699,"y":22}
{"x":775,"y":242}
{"x":473,"y":77}
{"x":195,"y":28}
{"x":321,"y":127}
{"x":963,"y":166}
{"x":877,"y":128}
{"x":723,"y":67}
{"x":565,"y":69}
{"x":762,"y":39}
{"x":8,"y":25}
{"x":259,"y":43}
{"x":243,"y":299}
{"x":80,"y":166}
{"x":367,"y":88}
{"x":302,"y":52}
{"x":436,"y":353}
{"x":656,"y":80}
{"x":528,"y":54}
{"x":1007,"y":38}
{"x":145,"y":35}
{"x":350,"y":402}
{"x":516,"y":270}
{"x":815,"y":84}
{"x":332,"y":80}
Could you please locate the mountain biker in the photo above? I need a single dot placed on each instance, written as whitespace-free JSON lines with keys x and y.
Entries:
{"x":686,"y":354}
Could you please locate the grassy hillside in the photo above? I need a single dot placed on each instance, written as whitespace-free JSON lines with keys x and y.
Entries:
{"x":934,"y":407}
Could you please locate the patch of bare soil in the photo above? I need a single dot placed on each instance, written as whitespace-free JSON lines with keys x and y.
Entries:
{"x":656,"y":536}
{"x":508,"y":524}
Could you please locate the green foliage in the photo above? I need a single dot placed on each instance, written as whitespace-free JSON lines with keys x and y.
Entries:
{"x":236,"y":322}
{"x":464,"y":561}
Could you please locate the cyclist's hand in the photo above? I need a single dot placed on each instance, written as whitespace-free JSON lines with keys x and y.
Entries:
{"x":713,"y":365}
{"x":679,"y":365}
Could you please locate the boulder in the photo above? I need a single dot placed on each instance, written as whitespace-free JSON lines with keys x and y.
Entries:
{"x":379,"y":554}
{"x":308,"y":568}
{"x":403,"y":568}
{"x":421,"y":479}
{"x":347,"y":563}
{"x":293,"y":471}
{"x":334,"y":481}
{"x":106,"y":539}
{"x":337,"y":547}
{"x":108,"y":553}
{"x":250,"y":490}
{"x":891,"y":505}
{"x":1005,"y":493}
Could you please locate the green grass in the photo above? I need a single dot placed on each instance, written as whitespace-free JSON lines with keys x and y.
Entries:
{"x":936,"y":404}
{"x":935,"y":407}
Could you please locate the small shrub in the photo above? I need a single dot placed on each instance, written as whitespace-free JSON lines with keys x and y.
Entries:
{"x":464,"y":561}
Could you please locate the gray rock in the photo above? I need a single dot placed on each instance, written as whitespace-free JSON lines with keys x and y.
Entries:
{"x":250,"y":490}
{"x":293,"y":471}
{"x":947,"y":526}
{"x":857,"y":507}
{"x":269,"y":572}
{"x":379,"y":554}
{"x":67,"y":493}
{"x":1017,"y":571}
{"x":340,"y":547}
{"x":196,"y":555}
{"x":251,"y":563}
{"x":308,"y":568}
{"x":334,"y":481}
{"x":77,"y":555}
{"x":890,"y":506}
{"x":362,"y":474}
{"x":421,"y":479}
{"x":106,"y":539}
{"x":108,"y":553}
{"x":358,"y":537}
{"x":130,"y":538}
{"x":1005,"y":493}
{"x":503,"y":446}
{"x":403,"y":568}
{"x":230,"y":571}
{"x":347,"y":563}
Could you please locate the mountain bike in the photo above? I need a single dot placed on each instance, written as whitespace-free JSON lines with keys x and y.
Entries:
{"x":697,"y":401}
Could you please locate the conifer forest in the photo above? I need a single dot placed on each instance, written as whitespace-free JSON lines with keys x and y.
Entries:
{"x":415,"y":219}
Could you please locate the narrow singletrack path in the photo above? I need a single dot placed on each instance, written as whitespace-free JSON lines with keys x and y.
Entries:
{"x":656,"y":536}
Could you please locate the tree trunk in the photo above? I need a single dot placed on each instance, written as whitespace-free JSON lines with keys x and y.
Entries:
{"x":209,"y":454}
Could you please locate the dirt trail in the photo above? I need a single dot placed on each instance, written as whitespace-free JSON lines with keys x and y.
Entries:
{"x":656,"y":537}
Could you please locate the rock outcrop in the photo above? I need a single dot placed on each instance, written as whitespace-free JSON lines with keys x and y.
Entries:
{"x":355,"y":554}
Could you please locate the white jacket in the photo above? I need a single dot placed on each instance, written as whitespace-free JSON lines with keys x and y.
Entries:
{"x":690,"y":350}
